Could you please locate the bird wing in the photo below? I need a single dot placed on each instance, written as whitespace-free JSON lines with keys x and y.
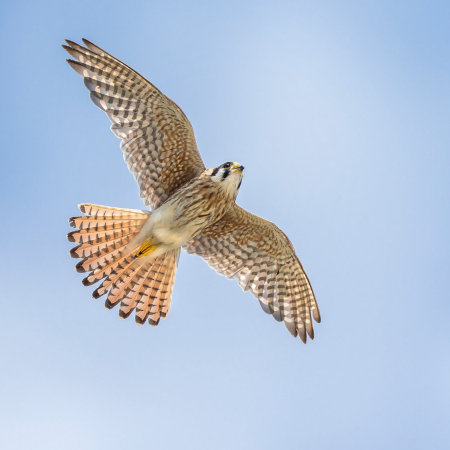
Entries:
{"x":157,"y":138}
{"x":258,"y":254}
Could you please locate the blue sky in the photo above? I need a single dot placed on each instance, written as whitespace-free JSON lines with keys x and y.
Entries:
{"x":340,"y":113}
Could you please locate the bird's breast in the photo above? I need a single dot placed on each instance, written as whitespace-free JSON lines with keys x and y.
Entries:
{"x":185,"y":215}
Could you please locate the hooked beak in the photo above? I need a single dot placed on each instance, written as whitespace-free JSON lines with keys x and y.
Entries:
{"x":236,"y":167}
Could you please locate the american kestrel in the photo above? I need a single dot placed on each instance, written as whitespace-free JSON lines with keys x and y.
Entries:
{"x":134,"y":253}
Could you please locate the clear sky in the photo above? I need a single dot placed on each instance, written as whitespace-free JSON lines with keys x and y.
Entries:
{"x":340,"y":113}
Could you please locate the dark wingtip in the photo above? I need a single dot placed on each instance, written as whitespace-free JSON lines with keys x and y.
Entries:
{"x":77,"y":66}
{"x":316,"y":315}
{"x":96,"y":97}
{"x":70,"y":237}
{"x":277,"y":316}
{"x":87,"y":42}
{"x":265,"y":307}
{"x":302,"y":334}
{"x":292,"y":329}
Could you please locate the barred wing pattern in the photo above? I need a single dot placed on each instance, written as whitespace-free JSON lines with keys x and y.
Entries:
{"x":258,"y":254}
{"x":157,"y":138}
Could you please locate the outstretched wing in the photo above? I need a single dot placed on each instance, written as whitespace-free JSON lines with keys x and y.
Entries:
{"x":261,"y":257}
{"x":157,"y":138}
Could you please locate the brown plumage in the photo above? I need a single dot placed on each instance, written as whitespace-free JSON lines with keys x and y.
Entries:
{"x":260,"y":256}
{"x":134,"y":254}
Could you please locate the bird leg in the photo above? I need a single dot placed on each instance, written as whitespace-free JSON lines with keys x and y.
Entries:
{"x":146,"y":248}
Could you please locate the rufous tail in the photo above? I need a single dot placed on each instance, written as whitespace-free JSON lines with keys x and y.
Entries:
{"x":141,"y":284}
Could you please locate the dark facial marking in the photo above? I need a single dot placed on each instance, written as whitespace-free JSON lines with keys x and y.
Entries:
{"x":226,"y":172}
{"x":214,"y":172}
{"x":226,"y":165}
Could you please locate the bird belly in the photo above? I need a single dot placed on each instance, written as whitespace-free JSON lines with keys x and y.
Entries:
{"x":164,"y":227}
{"x":171,"y":236}
{"x":182,"y":217}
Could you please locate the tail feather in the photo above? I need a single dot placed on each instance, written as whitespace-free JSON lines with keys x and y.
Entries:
{"x":155,"y":303}
{"x":123,"y":284}
{"x":92,"y":224}
{"x":113,"y":264}
{"x":164,"y":291}
{"x":134,"y":292}
{"x":144,"y":285}
{"x":107,"y":212}
{"x":117,"y":275}
{"x":156,"y":289}
{"x":144,"y":302}
{"x":102,"y":245}
{"x":111,"y":231}
{"x":99,"y":236}
{"x":99,"y":260}
{"x":169,"y":282}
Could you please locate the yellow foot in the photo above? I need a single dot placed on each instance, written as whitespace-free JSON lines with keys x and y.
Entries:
{"x":146,"y":248}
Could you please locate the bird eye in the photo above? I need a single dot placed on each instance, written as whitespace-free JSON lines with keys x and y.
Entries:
{"x":226,"y":165}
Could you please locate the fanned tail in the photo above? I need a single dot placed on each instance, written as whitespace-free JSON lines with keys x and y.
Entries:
{"x":141,"y":284}
{"x":157,"y":289}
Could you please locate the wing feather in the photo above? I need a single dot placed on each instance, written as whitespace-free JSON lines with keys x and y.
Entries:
{"x":158,"y":142}
{"x":261,"y":257}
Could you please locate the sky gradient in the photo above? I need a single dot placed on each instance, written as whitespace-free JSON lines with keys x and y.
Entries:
{"x":340,"y":113}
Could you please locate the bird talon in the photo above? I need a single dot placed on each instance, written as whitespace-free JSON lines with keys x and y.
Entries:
{"x":146,"y":248}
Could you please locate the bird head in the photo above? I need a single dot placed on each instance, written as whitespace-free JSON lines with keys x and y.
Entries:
{"x":229,"y":176}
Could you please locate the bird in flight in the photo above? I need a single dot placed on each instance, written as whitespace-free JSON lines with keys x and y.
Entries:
{"x":134,"y":253}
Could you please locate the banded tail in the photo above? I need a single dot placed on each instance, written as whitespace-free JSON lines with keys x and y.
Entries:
{"x":142,"y":285}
